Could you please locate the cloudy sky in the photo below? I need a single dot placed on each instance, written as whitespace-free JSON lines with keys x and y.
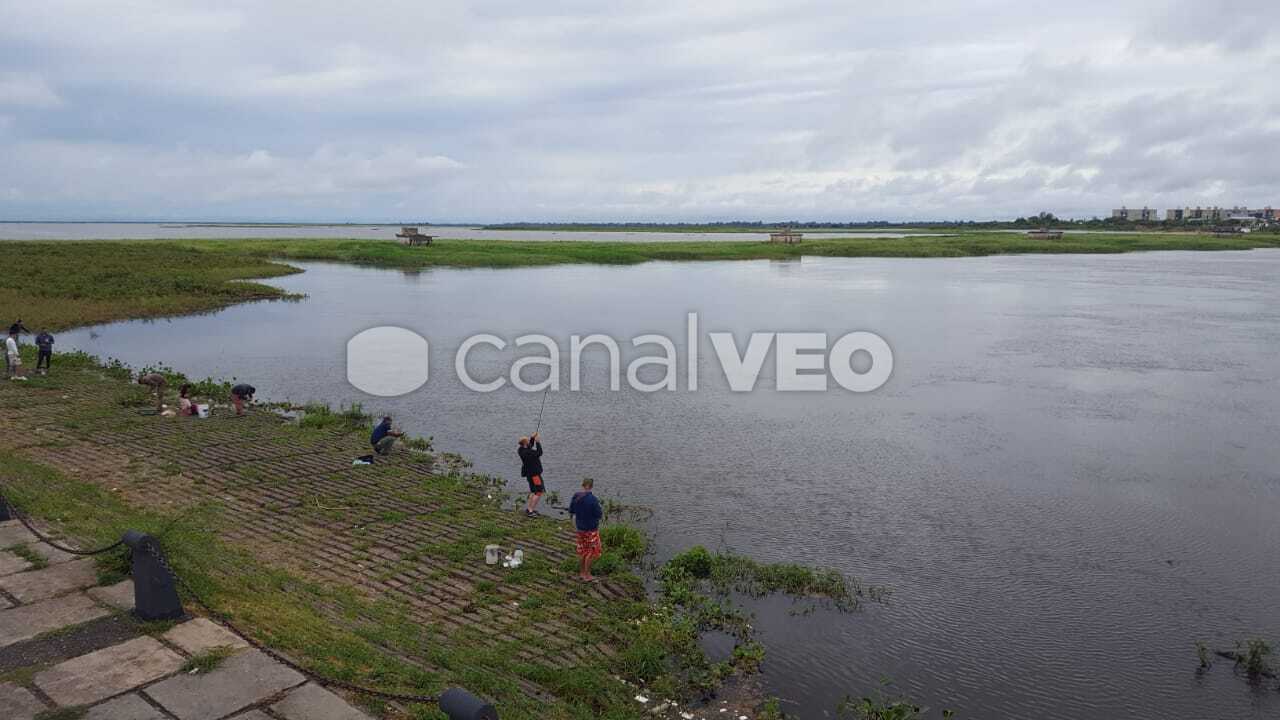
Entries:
{"x":588,"y":110}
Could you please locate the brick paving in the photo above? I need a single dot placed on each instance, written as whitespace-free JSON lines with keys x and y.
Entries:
{"x":139,"y":678}
{"x":294,"y":499}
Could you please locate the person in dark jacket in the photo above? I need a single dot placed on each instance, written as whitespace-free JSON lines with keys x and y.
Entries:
{"x":383,"y":437}
{"x":240,"y":394}
{"x":530,"y":452}
{"x":586,"y":512}
{"x":44,"y":341}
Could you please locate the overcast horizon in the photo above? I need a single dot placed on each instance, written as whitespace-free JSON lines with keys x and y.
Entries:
{"x":647,"y":112}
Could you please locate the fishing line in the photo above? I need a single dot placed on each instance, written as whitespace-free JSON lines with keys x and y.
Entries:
{"x":540,"y":410}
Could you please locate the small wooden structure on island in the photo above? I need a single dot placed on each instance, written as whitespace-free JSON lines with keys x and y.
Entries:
{"x":1045,"y":234}
{"x":786,"y":236}
{"x":410,"y":236}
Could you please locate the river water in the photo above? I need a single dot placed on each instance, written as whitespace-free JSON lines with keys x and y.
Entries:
{"x":1070,"y":477}
{"x":187,"y":231}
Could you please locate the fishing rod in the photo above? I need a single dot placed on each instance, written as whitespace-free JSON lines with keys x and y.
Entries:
{"x":540,"y":410}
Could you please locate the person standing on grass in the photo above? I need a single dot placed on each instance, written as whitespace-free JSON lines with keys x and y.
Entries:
{"x":14,"y":357}
{"x":530,"y":452}
{"x":240,"y":394}
{"x":384,"y":437}
{"x":586,"y":512}
{"x":156,"y":382}
{"x":44,"y":341}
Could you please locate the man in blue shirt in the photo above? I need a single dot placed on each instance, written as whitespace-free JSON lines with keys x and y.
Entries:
{"x":586,"y":512}
{"x":383,"y":436}
{"x":44,"y":341}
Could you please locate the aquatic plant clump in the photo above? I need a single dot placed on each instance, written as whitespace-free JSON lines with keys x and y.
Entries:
{"x":726,"y":572}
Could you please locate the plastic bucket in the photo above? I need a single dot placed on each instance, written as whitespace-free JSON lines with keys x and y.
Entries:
{"x":202,"y":410}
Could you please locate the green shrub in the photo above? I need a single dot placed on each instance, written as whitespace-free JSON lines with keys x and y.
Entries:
{"x":629,"y":543}
{"x":695,"y":562}
{"x":318,"y":416}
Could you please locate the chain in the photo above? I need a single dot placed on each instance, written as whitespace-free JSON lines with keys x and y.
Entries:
{"x":153,"y":549}
{"x":22,"y":517}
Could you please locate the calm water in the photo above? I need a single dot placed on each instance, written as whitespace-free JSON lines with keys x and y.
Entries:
{"x":149,"y":231}
{"x":1071,"y":476}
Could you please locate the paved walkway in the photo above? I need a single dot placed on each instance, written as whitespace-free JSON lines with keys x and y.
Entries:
{"x":67,"y":643}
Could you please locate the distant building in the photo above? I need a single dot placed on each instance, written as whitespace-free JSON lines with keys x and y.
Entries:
{"x":1146,"y":214}
{"x":1199,"y":214}
{"x":1206,"y":214}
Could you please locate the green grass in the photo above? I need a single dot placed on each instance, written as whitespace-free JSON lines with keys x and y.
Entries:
{"x":623,"y":545}
{"x":74,"y":283}
{"x":207,"y":661}
{"x":336,"y":629}
{"x":38,"y":562}
{"x":319,"y":416}
{"x":726,"y":227}
{"x":56,"y":285}
{"x":509,"y":253}
{"x":66,"y":713}
{"x":340,"y":632}
{"x":278,"y":607}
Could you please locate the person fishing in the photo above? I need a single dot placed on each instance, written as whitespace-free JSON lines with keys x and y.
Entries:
{"x":530,"y":452}
{"x":44,"y":341}
{"x":383,"y":437}
{"x":586,"y":512}
{"x":240,"y":394}
{"x":156,"y":382}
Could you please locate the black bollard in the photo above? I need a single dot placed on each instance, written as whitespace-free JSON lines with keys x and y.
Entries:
{"x":459,"y":704}
{"x":155,"y":592}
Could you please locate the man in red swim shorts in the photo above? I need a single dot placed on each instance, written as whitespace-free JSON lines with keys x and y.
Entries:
{"x":586,"y":512}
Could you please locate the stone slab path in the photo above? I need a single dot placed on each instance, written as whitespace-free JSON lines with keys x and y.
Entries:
{"x":140,"y":678}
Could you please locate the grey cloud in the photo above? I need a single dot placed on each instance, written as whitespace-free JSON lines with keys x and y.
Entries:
{"x":1226,"y":25}
{"x":583,"y":110}
{"x":26,"y":90}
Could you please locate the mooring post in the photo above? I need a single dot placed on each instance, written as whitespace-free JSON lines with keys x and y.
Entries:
{"x":459,"y":704}
{"x":155,"y":591}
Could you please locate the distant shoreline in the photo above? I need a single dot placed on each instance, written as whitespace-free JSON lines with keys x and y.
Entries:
{"x":65,"y":284}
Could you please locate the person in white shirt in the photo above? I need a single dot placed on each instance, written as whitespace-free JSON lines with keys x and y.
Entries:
{"x":15,"y":358}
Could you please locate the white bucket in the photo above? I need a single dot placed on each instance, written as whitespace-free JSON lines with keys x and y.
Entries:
{"x":202,"y":410}
{"x":491,"y":554}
